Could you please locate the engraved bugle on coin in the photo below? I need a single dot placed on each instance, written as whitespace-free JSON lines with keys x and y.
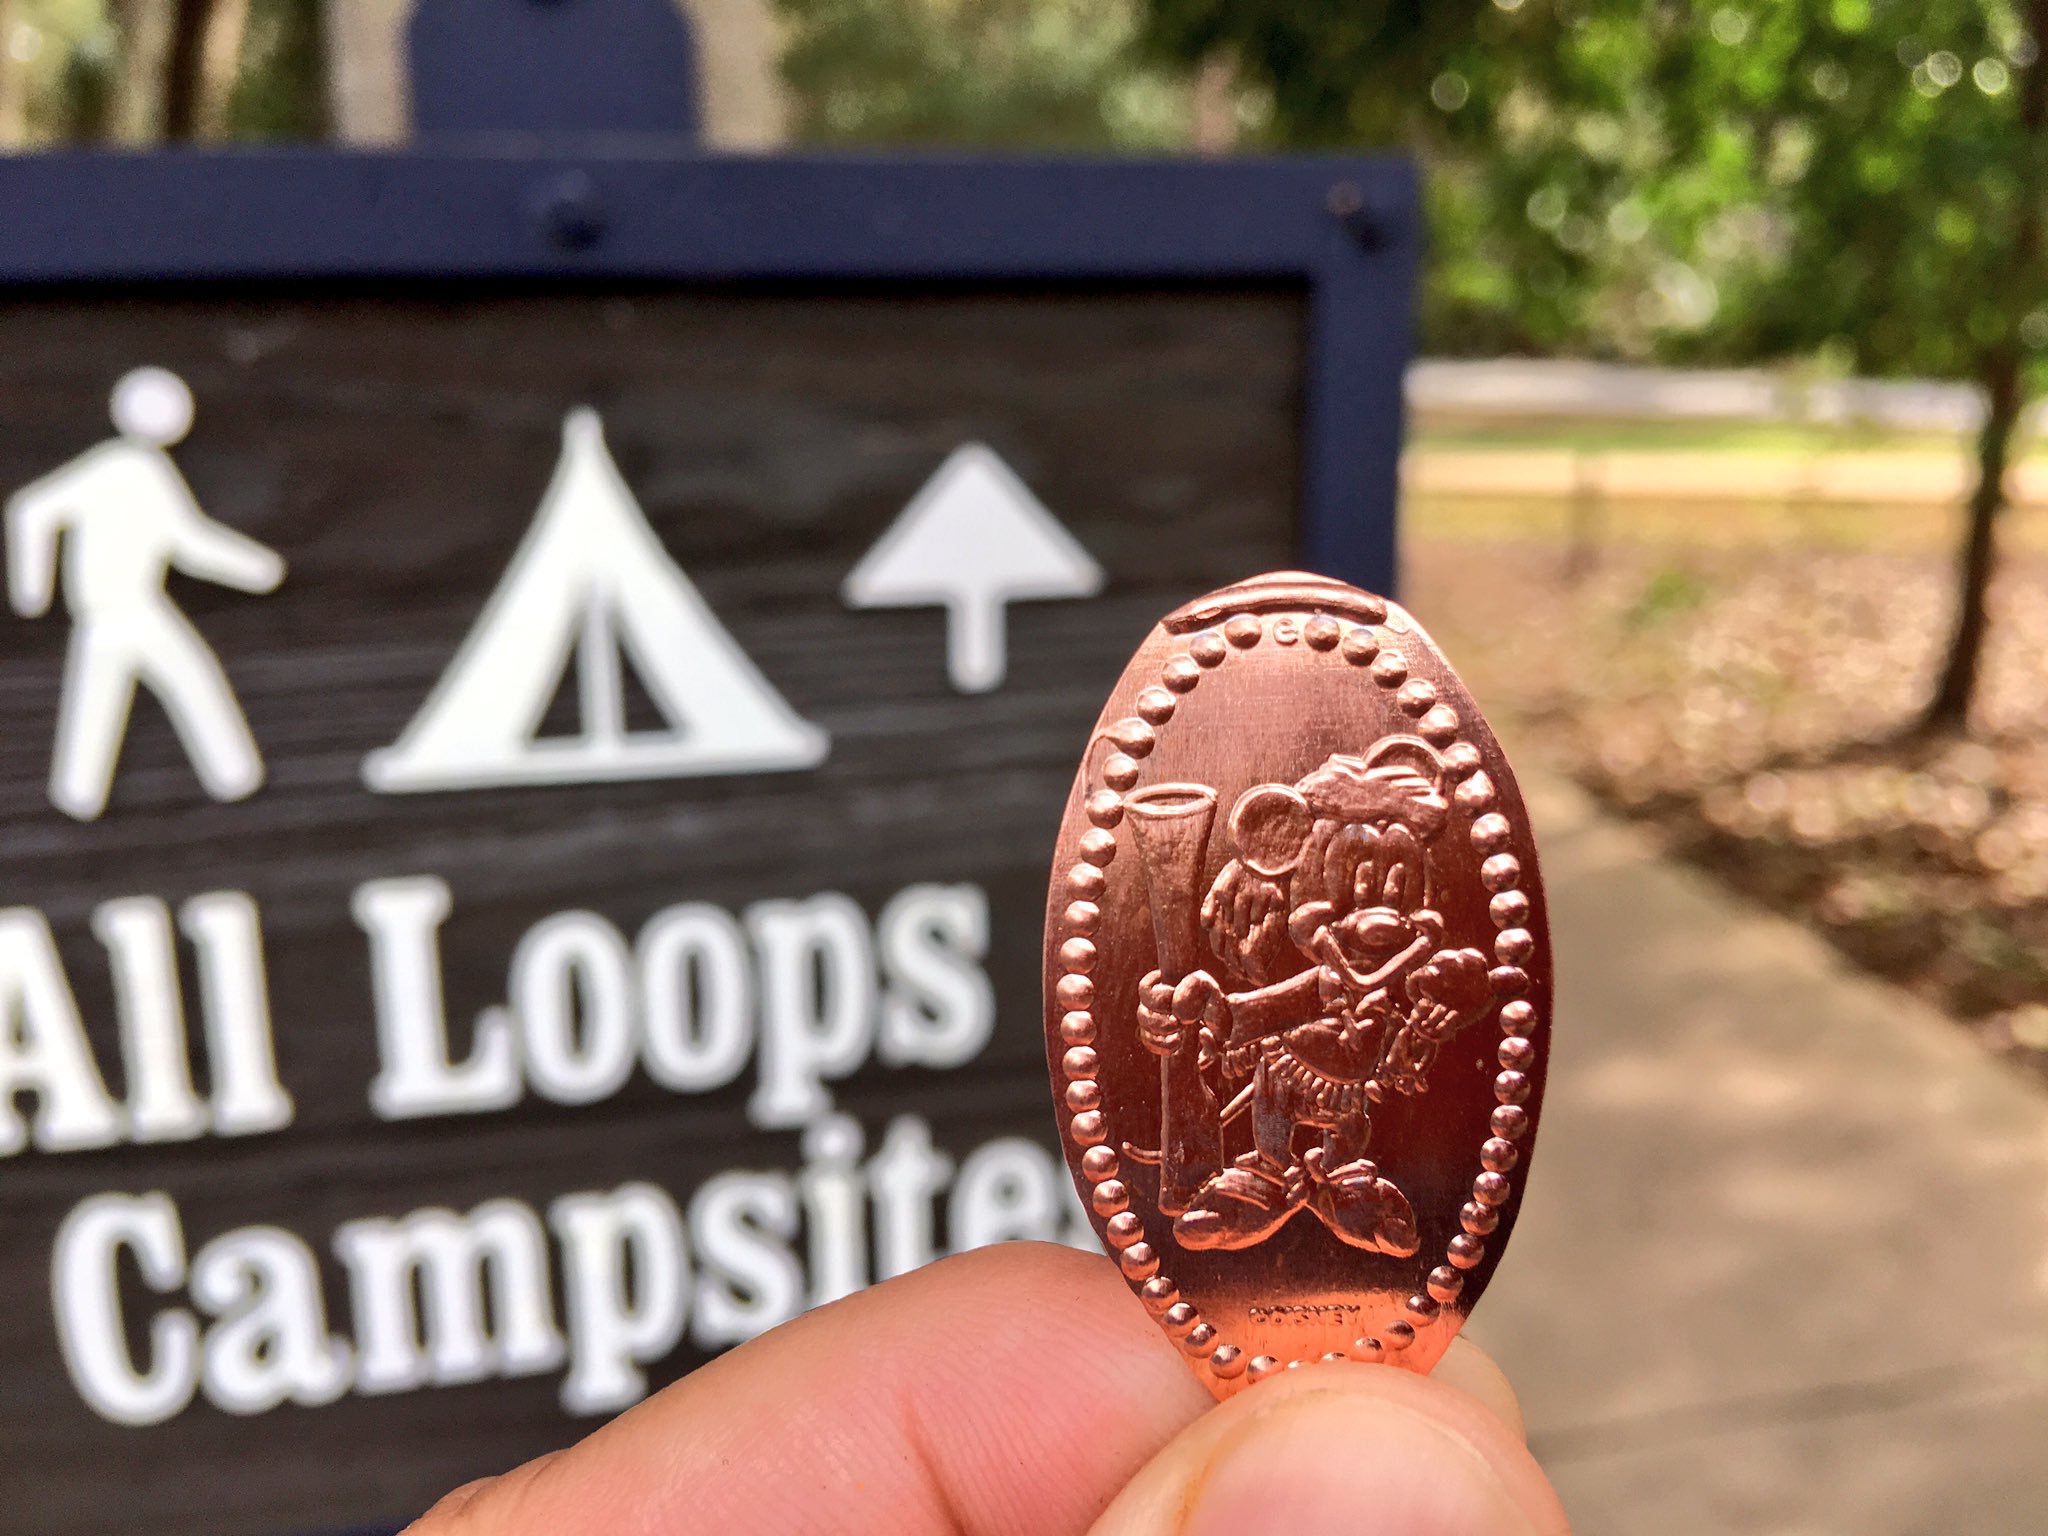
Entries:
{"x":1297,"y":983}
{"x":1169,"y":825}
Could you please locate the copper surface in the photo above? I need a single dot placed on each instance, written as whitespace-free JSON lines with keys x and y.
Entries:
{"x":1297,"y":983}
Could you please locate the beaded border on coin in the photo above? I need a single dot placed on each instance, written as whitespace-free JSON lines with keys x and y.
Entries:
{"x":1373,"y":647}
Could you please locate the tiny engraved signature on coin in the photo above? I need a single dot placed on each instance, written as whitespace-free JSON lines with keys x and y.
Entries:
{"x":1304,"y":1312}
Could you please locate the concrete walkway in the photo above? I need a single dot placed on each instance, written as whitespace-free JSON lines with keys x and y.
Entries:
{"x":1784,"y":1262}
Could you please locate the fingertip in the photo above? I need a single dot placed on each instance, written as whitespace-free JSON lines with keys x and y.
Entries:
{"x":482,"y":1505}
{"x":439,"y":1520}
{"x":1339,"y":1448}
{"x":447,"y":1515}
{"x":1469,"y":1368}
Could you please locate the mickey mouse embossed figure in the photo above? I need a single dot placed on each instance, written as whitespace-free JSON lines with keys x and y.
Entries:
{"x":1325,"y":911}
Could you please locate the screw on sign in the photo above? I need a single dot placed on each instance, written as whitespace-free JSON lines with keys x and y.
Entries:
{"x":1297,"y":983}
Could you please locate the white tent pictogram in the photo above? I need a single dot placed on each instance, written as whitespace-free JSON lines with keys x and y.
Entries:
{"x":592,"y":579}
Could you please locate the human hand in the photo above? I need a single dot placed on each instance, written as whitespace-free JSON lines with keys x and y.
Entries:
{"x":1020,"y":1391}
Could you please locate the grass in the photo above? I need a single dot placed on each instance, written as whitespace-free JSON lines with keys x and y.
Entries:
{"x":1483,"y":434}
{"x":1761,"y":524}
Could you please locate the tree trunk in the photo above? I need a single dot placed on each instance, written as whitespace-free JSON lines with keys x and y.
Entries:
{"x":206,"y":53}
{"x":1950,"y":708}
{"x":2004,"y":397}
{"x":143,"y":31}
{"x":182,"y":68}
{"x":741,"y":98}
{"x":1583,"y":520}
{"x":220,"y":65}
{"x":364,"y":46}
{"x":1215,"y":106}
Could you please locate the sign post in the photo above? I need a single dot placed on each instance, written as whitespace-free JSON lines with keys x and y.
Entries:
{"x":540,"y":679}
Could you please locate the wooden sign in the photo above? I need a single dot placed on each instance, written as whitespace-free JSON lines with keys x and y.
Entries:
{"x":526,"y":804}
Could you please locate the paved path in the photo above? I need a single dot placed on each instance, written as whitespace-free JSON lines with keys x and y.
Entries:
{"x":1784,"y":1263}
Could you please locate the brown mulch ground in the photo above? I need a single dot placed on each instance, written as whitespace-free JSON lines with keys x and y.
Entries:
{"x":1751,"y":704}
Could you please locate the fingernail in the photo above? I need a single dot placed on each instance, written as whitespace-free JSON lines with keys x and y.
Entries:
{"x":1321,"y":1464}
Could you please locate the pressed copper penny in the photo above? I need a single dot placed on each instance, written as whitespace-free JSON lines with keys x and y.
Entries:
{"x":1297,"y":983}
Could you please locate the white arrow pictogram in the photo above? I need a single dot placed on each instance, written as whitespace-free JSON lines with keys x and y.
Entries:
{"x":972,"y":541}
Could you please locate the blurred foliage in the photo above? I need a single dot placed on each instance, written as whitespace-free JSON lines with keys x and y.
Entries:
{"x":1670,"y":592}
{"x":71,"y":52}
{"x":64,"y":50}
{"x":1854,"y":181}
{"x":1847,"y":179}
{"x":279,"y":92}
{"x":1027,"y":74}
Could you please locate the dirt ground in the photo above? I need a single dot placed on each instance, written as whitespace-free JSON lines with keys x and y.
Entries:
{"x":1748,"y":698}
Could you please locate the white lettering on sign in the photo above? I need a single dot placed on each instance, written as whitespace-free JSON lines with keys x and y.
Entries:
{"x":403,"y":919}
{"x":85,"y":1290}
{"x":136,"y":931}
{"x":592,"y":579}
{"x":817,"y":1003}
{"x":439,"y":1298}
{"x":904,"y":1175}
{"x":810,"y":988}
{"x":497,"y":1254}
{"x":743,"y":1224}
{"x":269,"y":1343}
{"x":614,"y":1327}
{"x":1003,"y":1195}
{"x":941,"y":1009}
{"x":835,"y":1207}
{"x":43,"y":1047}
{"x":697,"y":997}
{"x":972,"y":541}
{"x":599,"y":1285}
{"x":225,"y":929}
{"x":126,"y":519}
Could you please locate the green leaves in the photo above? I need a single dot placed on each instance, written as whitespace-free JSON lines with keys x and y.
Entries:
{"x":1684,"y":179}
{"x":1047,"y":74}
{"x":1688,"y":180}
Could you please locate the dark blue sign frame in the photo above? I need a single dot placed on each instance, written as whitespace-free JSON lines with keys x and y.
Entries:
{"x":640,"y":207}
{"x":1346,"y":229}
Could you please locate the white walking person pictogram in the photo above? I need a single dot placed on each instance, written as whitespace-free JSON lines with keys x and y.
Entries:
{"x":127,"y":518}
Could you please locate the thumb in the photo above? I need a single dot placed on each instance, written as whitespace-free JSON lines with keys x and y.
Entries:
{"x":1341,"y":1448}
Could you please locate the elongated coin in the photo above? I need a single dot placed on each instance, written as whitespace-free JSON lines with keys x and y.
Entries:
{"x":1297,"y":983}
